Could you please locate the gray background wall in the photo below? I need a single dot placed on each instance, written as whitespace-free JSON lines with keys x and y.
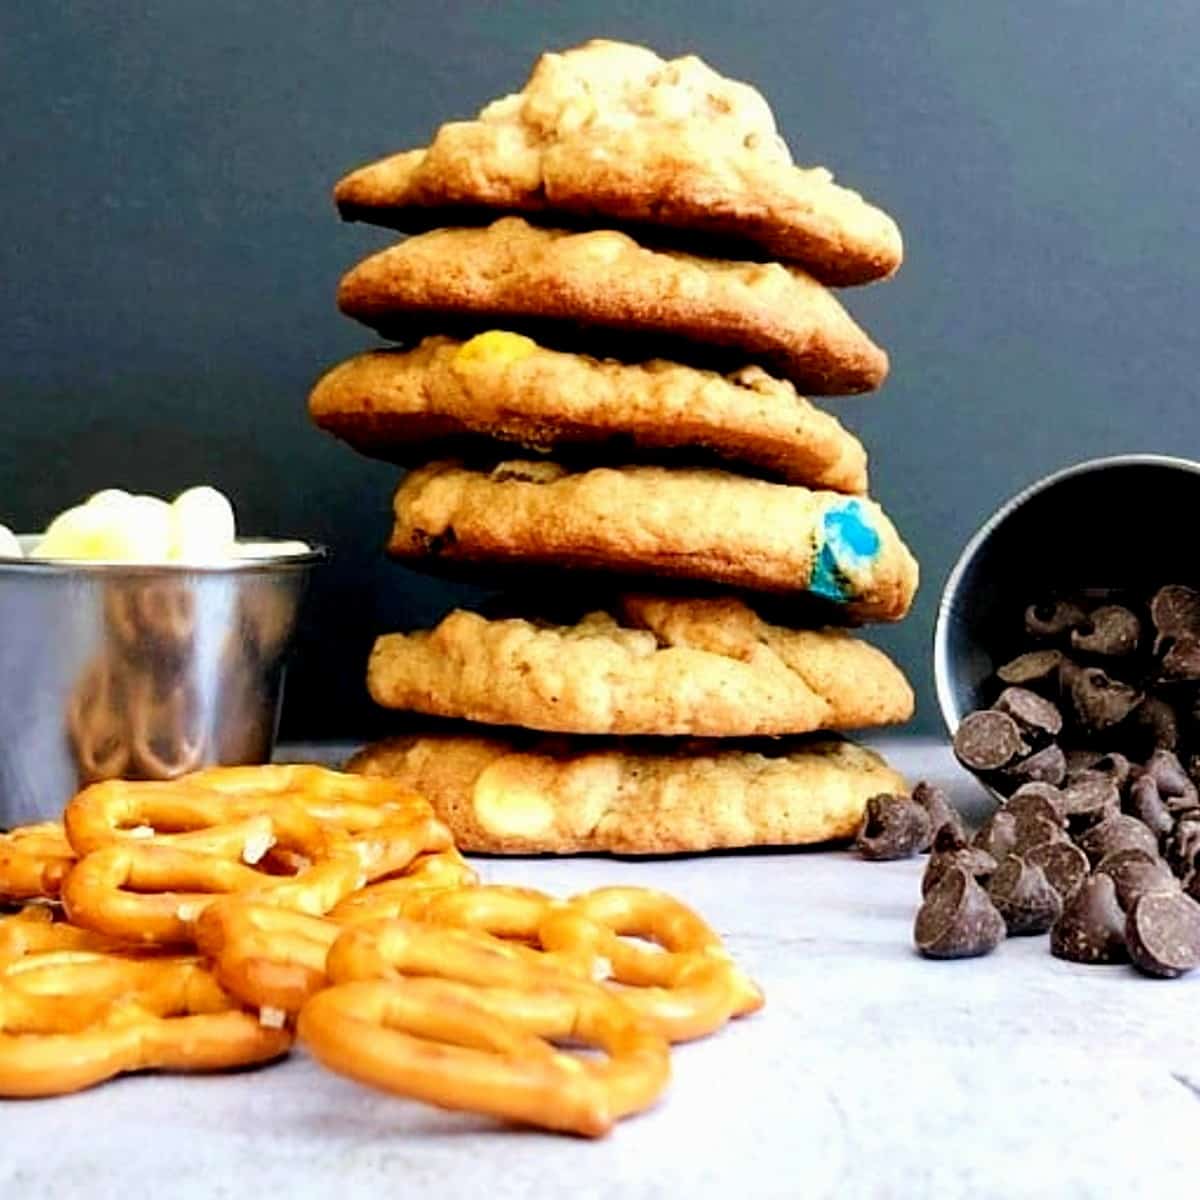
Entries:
{"x":169,"y":250}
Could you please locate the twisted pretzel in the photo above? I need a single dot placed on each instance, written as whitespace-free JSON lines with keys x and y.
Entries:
{"x":33,"y":861}
{"x":34,"y":931}
{"x":101,"y":1019}
{"x":471,"y":1031}
{"x":428,"y":873}
{"x":687,"y":988}
{"x":267,"y":956}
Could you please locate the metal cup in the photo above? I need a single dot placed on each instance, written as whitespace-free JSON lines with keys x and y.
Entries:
{"x":113,"y":670}
{"x":1110,"y":523}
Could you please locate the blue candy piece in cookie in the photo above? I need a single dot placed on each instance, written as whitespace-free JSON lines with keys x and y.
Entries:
{"x":848,"y":542}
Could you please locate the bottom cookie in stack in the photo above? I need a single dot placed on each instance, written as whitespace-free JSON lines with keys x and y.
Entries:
{"x":512,"y":793}
{"x":707,"y":672}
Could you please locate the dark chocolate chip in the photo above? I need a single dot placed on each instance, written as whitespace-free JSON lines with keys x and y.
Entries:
{"x":1038,"y":667}
{"x":957,"y":919}
{"x":941,"y":812}
{"x":949,"y":850}
{"x":1037,"y":800}
{"x":892,"y":827}
{"x":1134,"y":872}
{"x":1034,"y":714}
{"x":1064,"y":865}
{"x":1092,"y":926}
{"x":997,"y":835}
{"x":1047,"y":765}
{"x":1110,"y":631}
{"x":1080,"y":762}
{"x":1154,"y":725}
{"x":1162,"y":933}
{"x":1099,"y":700}
{"x":1120,"y":832}
{"x":1147,"y":805}
{"x":1024,"y":897}
{"x":1181,"y":661}
{"x":1183,"y":847}
{"x":1053,"y":619}
{"x":1174,"y":785}
{"x":1033,"y":830}
{"x":1090,"y":800}
{"x":987,"y":741}
{"x":1175,"y":610}
{"x":1115,"y":767}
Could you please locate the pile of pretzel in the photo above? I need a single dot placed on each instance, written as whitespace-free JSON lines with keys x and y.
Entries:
{"x":204,"y":923}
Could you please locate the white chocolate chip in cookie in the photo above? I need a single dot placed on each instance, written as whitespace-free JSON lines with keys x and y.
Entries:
{"x":506,"y":804}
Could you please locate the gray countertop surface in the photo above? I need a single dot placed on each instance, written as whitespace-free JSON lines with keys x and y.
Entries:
{"x":871,"y":1072}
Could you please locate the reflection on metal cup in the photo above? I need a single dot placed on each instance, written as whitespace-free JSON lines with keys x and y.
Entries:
{"x":138,"y":671}
{"x":1110,"y":523}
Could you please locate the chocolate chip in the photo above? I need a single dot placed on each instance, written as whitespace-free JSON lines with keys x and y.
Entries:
{"x":1175,"y":611}
{"x":1092,"y":926}
{"x":1100,"y":701}
{"x":957,"y":919}
{"x":1183,"y":847}
{"x":997,"y":835}
{"x":1110,"y":631}
{"x":1162,"y":933}
{"x":1033,"y":830}
{"x":1119,"y":832}
{"x":1064,"y":865}
{"x":1033,"y":668}
{"x":1134,"y":872}
{"x":1147,"y":805}
{"x":987,"y":741}
{"x":1174,"y":785}
{"x":941,"y":812}
{"x":1037,"y":800}
{"x":1054,"y":619}
{"x":1181,"y":661}
{"x":1154,"y":725}
{"x":1115,"y":767}
{"x":1024,"y":897}
{"x":1047,"y":765}
{"x":1034,"y":714}
{"x":1090,"y":800}
{"x":892,"y":827}
{"x":950,"y":850}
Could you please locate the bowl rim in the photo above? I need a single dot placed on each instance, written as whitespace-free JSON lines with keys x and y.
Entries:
{"x":256,"y":565}
{"x":941,"y":630}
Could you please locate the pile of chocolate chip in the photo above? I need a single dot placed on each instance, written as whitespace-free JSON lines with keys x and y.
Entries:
{"x":1098,"y":838}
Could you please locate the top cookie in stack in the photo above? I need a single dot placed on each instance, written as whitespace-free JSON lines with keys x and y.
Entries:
{"x":623,"y":399}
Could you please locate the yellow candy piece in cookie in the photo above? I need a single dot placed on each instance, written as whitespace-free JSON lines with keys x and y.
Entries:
{"x":495,"y":347}
{"x":203,"y":527}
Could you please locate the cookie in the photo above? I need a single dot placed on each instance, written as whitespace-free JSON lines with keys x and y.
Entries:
{"x":701,"y":667}
{"x":610,"y":132}
{"x":551,"y":281}
{"x":513,"y":795}
{"x":682,"y":522}
{"x":452,"y":397}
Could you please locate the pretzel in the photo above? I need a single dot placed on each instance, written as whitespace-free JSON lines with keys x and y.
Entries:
{"x":267,"y":956}
{"x":688,"y":988}
{"x":441,"y":871}
{"x":163,"y":1016}
{"x":470,"y":1031}
{"x":33,"y":930}
{"x":33,"y":861}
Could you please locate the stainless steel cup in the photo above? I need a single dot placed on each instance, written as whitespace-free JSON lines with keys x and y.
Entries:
{"x":1122,"y":522}
{"x":110,"y":670}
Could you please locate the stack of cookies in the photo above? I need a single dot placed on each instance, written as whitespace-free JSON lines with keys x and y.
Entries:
{"x":615,"y":292}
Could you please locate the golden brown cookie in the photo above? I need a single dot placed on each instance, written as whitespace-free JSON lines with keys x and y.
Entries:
{"x":452,"y":396}
{"x":550,"y":281}
{"x":701,"y":667}
{"x":682,"y":522}
{"x":512,"y":795}
{"x":610,"y":132}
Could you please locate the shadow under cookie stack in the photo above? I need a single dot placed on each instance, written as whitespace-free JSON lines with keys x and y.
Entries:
{"x":614,"y":298}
